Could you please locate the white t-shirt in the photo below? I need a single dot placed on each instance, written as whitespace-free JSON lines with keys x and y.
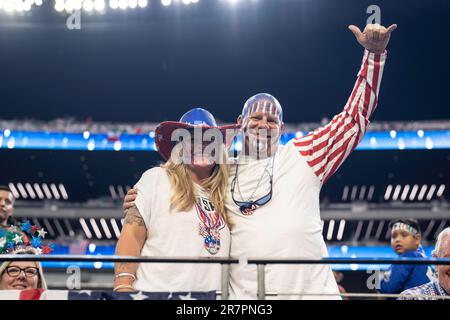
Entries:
{"x":176,"y":234}
{"x":289,"y":226}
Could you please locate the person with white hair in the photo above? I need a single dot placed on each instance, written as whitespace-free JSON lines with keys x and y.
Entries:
{"x":439,"y":286}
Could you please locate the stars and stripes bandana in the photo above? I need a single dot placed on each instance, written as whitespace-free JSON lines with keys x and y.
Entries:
{"x":262,"y":102}
{"x":404,"y":227}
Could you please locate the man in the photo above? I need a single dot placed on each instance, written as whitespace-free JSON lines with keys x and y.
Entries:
{"x":6,"y":205}
{"x":439,"y":287}
{"x":406,"y":239}
{"x":274,"y":200}
{"x":274,"y":190}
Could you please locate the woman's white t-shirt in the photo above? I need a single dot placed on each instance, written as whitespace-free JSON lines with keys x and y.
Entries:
{"x":176,"y":234}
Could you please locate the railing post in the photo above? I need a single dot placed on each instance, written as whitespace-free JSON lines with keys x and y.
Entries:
{"x":261,"y":273}
{"x":225,"y":280}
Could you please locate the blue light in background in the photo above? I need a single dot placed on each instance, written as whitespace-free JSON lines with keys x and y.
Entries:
{"x":334,"y":252}
{"x":373,"y":140}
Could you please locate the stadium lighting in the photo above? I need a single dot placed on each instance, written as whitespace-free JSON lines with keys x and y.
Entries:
{"x":142,"y":3}
{"x":18,"y":6}
{"x":8,"y":5}
{"x":99,"y":5}
{"x":401,"y":144}
{"x":69,"y":5}
{"x":393,"y":134}
{"x":59,"y":5}
{"x":11,"y":143}
{"x":132,"y":4}
{"x":91,"y":145}
{"x":166,"y":2}
{"x":429,"y":143}
{"x":38,"y":2}
{"x":77,"y":4}
{"x":123,"y":4}
{"x":92,"y":247}
{"x":117,"y":146}
{"x":186,"y":2}
{"x":88,"y":5}
{"x":27,"y":4}
{"x":420,"y":133}
{"x":114,"y":4}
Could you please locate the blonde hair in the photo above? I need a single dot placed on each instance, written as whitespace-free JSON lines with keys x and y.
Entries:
{"x":42,"y":284}
{"x":183,"y":190}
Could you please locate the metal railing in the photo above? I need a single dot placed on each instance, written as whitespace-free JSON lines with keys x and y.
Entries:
{"x":225,"y":263}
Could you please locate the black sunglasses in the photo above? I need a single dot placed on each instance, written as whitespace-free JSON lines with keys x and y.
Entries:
{"x":247,"y":207}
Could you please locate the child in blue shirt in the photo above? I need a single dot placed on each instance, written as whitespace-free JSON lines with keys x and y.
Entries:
{"x":406,"y":241}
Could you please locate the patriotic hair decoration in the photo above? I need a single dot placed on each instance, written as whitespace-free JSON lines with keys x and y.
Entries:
{"x":404,"y":227}
{"x":263,"y":102}
{"x":23,"y":238}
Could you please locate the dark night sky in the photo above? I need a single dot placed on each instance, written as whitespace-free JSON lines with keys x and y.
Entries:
{"x":154,"y":64}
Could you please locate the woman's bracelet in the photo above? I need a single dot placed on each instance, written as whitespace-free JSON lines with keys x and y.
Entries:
{"x":122,"y":286}
{"x":126,"y":274}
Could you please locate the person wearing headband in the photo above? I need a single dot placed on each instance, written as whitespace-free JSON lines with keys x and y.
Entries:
{"x":406,"y":241}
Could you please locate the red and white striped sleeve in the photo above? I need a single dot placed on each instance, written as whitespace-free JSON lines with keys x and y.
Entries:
{"x":327,"y":147}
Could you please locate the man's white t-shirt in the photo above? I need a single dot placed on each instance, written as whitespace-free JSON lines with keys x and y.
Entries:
{"x":289,"y":226}
{"x":175,"y":234}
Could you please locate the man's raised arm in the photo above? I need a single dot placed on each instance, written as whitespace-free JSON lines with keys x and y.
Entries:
{"x":327,"y":147}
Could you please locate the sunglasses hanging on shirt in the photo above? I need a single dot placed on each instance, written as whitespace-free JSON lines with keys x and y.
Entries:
{"x":248,"y":207}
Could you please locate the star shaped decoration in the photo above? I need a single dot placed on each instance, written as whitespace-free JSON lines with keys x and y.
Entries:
{"x":138,"y":296}
{"x":36,"y":242}
{"x":33,"y":229}
{"x":42,"y":233}
{"x":46,"y":249}
{"x":26,"y":226}
{"x":2,"y":242}
{"x":187,"y":297}
{"x":17,"y":239}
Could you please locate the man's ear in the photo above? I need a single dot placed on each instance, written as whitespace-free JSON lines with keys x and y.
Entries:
{"x":239,"y":120}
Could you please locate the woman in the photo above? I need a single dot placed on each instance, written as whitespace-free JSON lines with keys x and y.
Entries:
{"x":22,"y":275}
{"x":179,"y":212}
